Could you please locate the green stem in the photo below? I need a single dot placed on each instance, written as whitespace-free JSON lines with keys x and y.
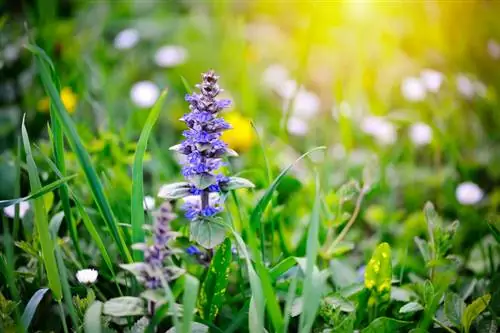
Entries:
{"x":63,"y":318}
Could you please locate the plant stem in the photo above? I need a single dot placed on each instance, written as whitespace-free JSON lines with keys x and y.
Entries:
{"x":349,"y":224}
{"x":63,"y":318}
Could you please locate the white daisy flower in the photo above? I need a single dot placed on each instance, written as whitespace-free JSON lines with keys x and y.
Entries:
{"x":468,"y":193}
{"x":144,"y":94}
{"x":432,"y":79}
{"x":297,"y":126}
{"x":126,"y":39}
{"x":420,"y":134}
{"x":494,"y":49}
{"x":171,"y":56}
{"x":381,"y":129}
{"x":148,"y":203}
{"x":87,"y":276}
{"x":10,"y":211}
{"x":413,"y":89}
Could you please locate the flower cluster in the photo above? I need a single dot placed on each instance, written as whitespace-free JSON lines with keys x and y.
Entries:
{"x":156,"y":253}
{"x":204,"y":148}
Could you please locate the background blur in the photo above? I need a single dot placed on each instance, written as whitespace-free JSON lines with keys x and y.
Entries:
{"x":415,"y":85}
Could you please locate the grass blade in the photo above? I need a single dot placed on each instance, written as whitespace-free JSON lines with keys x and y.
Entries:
{"x":83,"y":157}
{"x":92,"y":319}
{"x":137,"y":197}
{"x":41,"y":222}
{"x":30,"y":309}
{"x":191,"y":285}
{"x":68,"y":299}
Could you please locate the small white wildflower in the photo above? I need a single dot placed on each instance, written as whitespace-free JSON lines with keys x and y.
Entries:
{"x":10,"y":211}
{"x":306,"y":104}
{"x":171,"y":56}
{"x":144,"y":94}
{"x":465,"y":86}
{"x":382,"y":130}
{"x":468,"y":193}
{"x":413,"y":89}
{"x":274,"y":76}
{"x":420,"y":134}
{"x":432,"y":79}
{"x":287,"y":89}
{"x":126,"y":39}
{"x":494,"y":49}
{"x":87,"y":276}
{"x":148,"y":203}
{"x":297,"y":126}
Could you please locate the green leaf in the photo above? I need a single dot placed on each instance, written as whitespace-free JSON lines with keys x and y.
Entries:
{"x":92,"y":319}
{"x":196,"y":328}
{"x":454,"y":307}
{"x":76,"y":145}
{"x":495,"y":230}
{"x":236,"y":183}
{"x":124,"y":306}
{"x":191,"y":285}
{"x":473,"y":310}
{"x":386,"y":325}
{"x":371,"y":173}
{"x":339,"y":303}
{"x":207,"y":232}
{"x":342,"y":274}
{"x":378,"y":273}
{"x":282,"y":267}
{"x":411,"y":307}
{"x":314,"y":282}
{"x":215,"y":284}
{"x":423,"y":247}
{"x":174,"y":191}
{"x":42,"y":223}
{"x":137,"y":196}
{"x":30,"y":309}
{"x":203,"y":181}
{"x":42,"y":191}
{"x":430,"y":214}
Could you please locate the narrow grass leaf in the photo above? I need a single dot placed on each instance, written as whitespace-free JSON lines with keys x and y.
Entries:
{"x":30,"y":309}
{"x":92,"y":319}
{"x":191,"y":286}
{"x":68,"y":299}
{"x":83,"y":157}
{"x":41,"y":222}
{"x":137,"y":197}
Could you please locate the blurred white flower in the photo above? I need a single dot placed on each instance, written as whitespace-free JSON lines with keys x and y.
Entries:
{"x":10,"y":52}
{"x":338,"y":151}
{"x":494,"y":49}
{"x":287,"y":89}
{"x":432,"y":79}
{"x":10,"y":211}
{"x":171,"y":56}
{"x":381,"y":129}
{"x":468,"y":193}
{"x":126,"y":39}
{"x":87,"y":276}
{"x":306,"y":104}
{"x":413,"y":89}
{"x":274,"y":76}
{"x":144,"y":94}
{"x":469,"y":87}
{"x":297,"y":126}
{"x":148,"y":203}
{"x":420,"y":134}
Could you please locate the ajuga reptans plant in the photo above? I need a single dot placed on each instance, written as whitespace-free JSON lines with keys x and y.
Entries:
{"x":204,"y":151}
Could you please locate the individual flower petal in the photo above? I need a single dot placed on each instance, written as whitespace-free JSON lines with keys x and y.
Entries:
{"x":171,"y":56}
{"x":144,"y":94}
{"x":420,"y":134}
{"x":468,"y":193}
{"x":413,"y":89}
{"x":126,"y":39}
{"x":87,"y":276}
{"x":23,"y":208}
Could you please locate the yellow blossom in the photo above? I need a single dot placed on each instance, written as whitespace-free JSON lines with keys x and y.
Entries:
{"x":68,"y":98}
{"x":241,"y":137}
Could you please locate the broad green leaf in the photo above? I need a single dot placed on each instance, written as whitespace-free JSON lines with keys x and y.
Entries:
{"x":124,"y":306}
{"x":473,"y":310}
{"x":386,"y":325}
{"x":236,"y":183}
{"x":342,"y":274}
{"x":191,"y":286}
{"x":92,"y":319}
{"x":378,"y":273}
{"x":30,"y":309}
{"x":214,"y":286}
{"x":454,"y":307}
{"x":137,"y":196}
{"x":423,"y":247}
{"x":411,"y":307}
{"x":76,"y":145}
{"x":282,"y":267}
{"x":41,"y":222}
{"x":339,"y":303}
{"x":207,"y":232}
